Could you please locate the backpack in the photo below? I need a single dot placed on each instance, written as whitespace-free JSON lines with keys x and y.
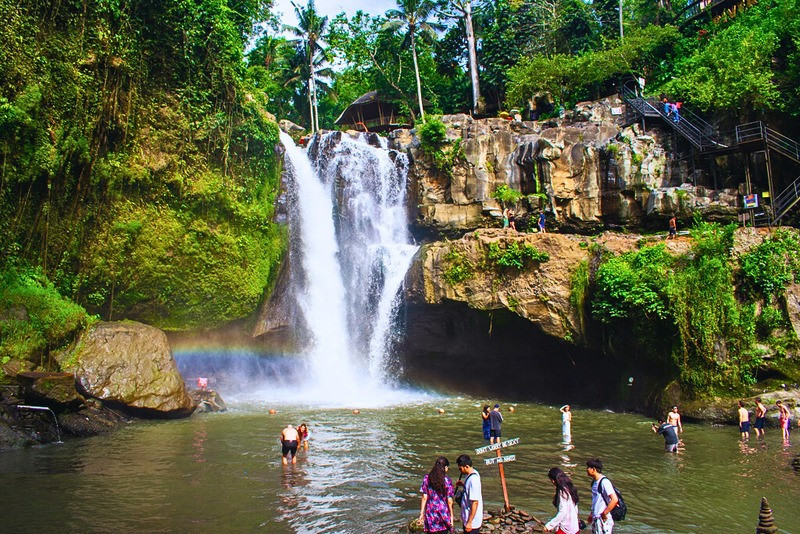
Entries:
{"x":461,"y":492}
{"x":621,"y":509}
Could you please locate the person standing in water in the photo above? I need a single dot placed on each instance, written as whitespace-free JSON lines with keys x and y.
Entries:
{"x":436,"y":509}
{"x":302,"y":432}
{"x":783,"y":420}
{"x":674,"y":418}
{"x":604,"y":498}
{"x":744,"y":421}
{"x":289,"y":439}
{"x":566,"y":502}
{"x":496,"y":421}
{"x":670,"y":433}
{"x":761,"y":417}
{"x":566,"y":420}
{"x":486,"y":423}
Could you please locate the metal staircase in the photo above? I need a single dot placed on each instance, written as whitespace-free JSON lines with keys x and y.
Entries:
{"x":706,"y":139}
{"x":786,"y":200}
{"x":698,"y":132}
{"x":757,"y":131}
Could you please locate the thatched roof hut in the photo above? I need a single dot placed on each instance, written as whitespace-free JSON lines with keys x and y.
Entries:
{"x":370,"y":113}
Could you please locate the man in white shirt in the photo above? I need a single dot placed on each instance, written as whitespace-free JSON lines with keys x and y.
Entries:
{"x":472,"y":502}
{"x":604,"y":498}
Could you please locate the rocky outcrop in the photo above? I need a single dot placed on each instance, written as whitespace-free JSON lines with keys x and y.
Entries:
{"x":129,"y":364}
{"x":587,"y":170}
{"x":539,"y":293}
{"x":56,"y":390}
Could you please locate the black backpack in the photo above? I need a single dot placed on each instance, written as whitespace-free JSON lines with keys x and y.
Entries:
{"x":621,"y":509}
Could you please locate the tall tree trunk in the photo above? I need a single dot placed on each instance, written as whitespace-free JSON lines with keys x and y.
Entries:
{"x":416,"y":73}
{"x":473,"y":59}
{"x":311,"y":104}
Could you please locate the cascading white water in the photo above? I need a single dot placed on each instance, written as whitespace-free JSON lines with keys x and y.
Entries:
{"x":349,"y":213}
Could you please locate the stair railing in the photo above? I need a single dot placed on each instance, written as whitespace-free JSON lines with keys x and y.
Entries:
{"x":786,"y":199}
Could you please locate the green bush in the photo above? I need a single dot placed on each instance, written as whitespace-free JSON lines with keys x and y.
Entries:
{"x":506,"y":195}
{"x":514,"y":256}
{"x":432,"y":133}
{"x":34,"y":318}
{"x":773,"y":264}
{"x":459,"y":268}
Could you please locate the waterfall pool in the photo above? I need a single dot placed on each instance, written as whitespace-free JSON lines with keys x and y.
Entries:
{"x":222,"y":472}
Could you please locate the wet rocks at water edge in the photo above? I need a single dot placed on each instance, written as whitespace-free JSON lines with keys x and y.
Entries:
{"x":208,"y":400}
{"x":510,"y":522}
{"x":496,"y":521}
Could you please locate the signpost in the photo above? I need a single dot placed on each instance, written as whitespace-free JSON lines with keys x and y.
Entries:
{"x":500,"y":460}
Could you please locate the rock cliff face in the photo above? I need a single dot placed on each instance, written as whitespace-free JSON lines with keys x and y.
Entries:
{"x":520,"y":329}
{"x":587,"y":171}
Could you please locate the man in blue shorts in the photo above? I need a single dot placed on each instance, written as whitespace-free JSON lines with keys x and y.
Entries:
{"x":744,"y":421}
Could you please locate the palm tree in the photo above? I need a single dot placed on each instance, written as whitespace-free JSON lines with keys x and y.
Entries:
{"x":413,"y":14}
{"x":464,"y":9}
{"x":309,"y":31}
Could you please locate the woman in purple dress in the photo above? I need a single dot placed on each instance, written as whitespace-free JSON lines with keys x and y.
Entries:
{"x":436,"y":511}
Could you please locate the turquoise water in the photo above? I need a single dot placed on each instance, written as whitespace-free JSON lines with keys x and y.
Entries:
{"x":222,"y":472}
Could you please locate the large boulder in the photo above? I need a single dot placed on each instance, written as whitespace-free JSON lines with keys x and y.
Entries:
{"x":131,"y":364}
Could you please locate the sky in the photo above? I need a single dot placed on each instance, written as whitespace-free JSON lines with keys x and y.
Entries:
{"x":332,"y":8}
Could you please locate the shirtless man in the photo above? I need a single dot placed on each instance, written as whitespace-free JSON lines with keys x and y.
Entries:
{"x":289,"y":439}
{"x":761,"y":416}
{"x":744,"y":421}
{"x":674,"y":419}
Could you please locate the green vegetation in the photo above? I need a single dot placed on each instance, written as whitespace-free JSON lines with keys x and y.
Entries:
{"x":34,"y":318}
{"x":459,"y":268}
{"x":692,"y":300}
{"x":433,"y":139}
{"x":139,"y":172}
{"x":506,"y":195}
{"x":773,"y":264}
{"x":514,"y":256}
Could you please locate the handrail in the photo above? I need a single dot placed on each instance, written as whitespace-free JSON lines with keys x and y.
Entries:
{"x":786,"y":199}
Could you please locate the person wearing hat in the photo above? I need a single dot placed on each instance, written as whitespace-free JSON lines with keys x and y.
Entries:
{"x":495,"y":422}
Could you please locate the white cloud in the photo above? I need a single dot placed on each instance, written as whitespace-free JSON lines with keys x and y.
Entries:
{"x":331,"y":8}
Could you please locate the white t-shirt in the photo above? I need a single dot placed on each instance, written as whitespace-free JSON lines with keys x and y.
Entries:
{"x":598,"y":502}
{"x":472,"y":492}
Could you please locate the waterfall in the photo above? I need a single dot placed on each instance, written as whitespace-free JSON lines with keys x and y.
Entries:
{"x":349,"y":225}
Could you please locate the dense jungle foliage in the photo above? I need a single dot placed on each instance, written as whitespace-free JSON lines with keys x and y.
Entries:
{"x":723,"y":312}
{"x":138,"y":171}
{"x":743,"y":63}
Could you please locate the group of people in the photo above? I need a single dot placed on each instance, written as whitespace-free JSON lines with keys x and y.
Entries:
{"x":292,"y":439}
{"x":439,"y":494}
{"x":510,"y":220}
{"x":492,"y":423}
{"x":784,"y":419}
{"x":670,"y":430}
{"x":671,"y":108}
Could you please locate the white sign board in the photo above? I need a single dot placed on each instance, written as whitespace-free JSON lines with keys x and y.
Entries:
{"x":616,"y":111}
{"x":500,"y":459}
{"x":495,"y":446}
